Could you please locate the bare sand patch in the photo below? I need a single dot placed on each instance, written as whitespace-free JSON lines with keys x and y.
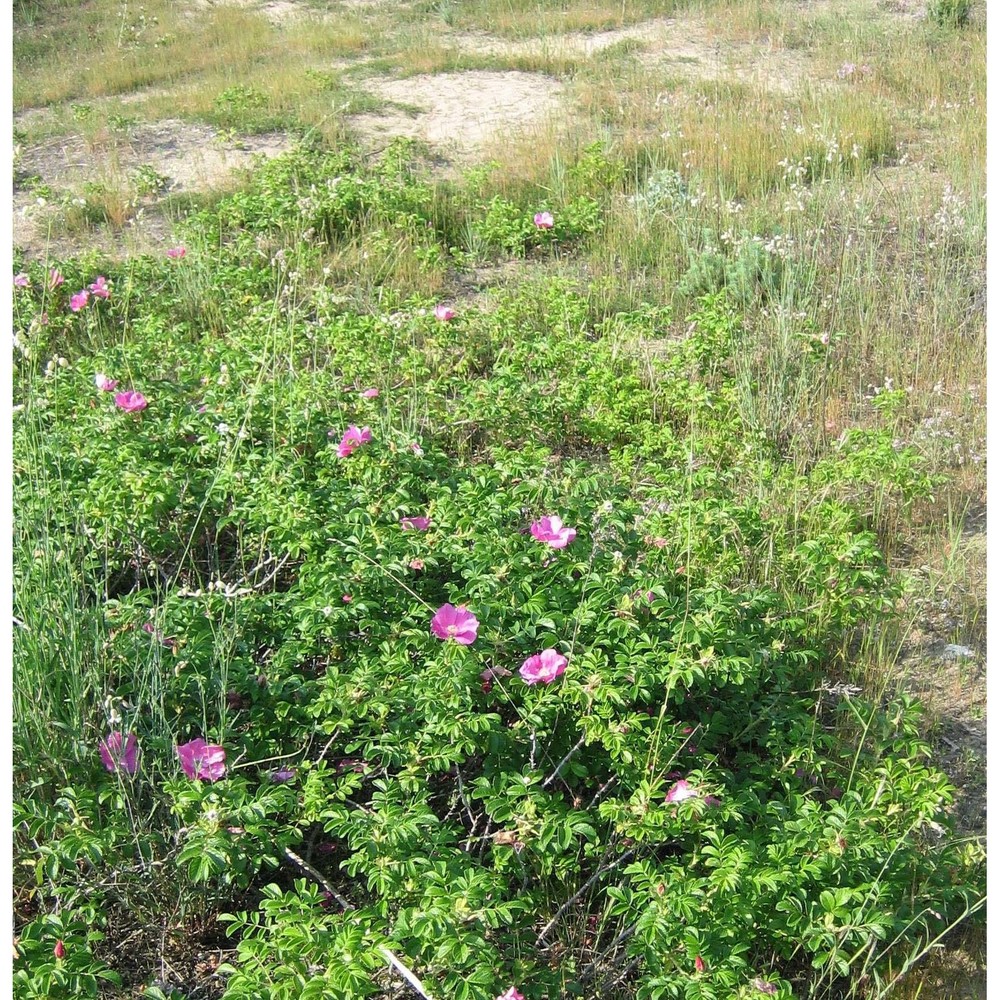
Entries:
{"x":684,"y":46}
{"x":190,"y":157}
{"x":576,"y":43}
{"x":37,"y":234}
{"x":460,"y":111}
{"x":280,"y":11}
{"x":276,"y":11}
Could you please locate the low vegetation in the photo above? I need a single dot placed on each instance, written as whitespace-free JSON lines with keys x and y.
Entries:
{"x":491,"y":584}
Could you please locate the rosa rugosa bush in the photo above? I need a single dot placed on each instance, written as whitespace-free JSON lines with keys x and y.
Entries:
{"x":503,"y":671}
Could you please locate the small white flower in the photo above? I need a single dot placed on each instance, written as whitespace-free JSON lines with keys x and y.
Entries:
{"x":114,"y":716}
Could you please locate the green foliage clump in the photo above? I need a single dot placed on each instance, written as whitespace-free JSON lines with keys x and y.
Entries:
{"x":509,"y":228}
{"x":949,"y":13}
{"x":244,"y":109}
{"x":752,"y":269}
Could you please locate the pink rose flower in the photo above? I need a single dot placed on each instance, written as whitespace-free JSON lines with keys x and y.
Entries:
{"x":55,"y":279}
{"x":131,"y":401}
{"x":202,"y":761}
{"x":175,"y":253}
{"x":78,"y":301}
{"x":455,"y":624}
{"x":415,"y":523}
{"x":100,"y":288}
{"x":118,"y":752}
{"x":511,"y":994}
{"x":544,"y":220}
{"x":552,"y":532}
{"x":444,"y":313}
{"x":680,"y":791}
{"x":104,"y":383}
{"x":353,"y":438}
{"x":543,"y":667}
{"x":21,"y":280}
{"x":369,"y":393}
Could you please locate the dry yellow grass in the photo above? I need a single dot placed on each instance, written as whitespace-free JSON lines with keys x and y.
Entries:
{"x":172,"y":47}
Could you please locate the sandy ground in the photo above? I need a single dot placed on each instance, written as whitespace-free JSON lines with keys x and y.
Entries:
{"x":190,"y":157}
{"x":681,"y":46}
{"x":461,"y":111}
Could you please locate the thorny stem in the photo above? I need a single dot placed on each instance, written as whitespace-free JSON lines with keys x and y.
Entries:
{"x":552,"y":777}
{"x":576,"y":895}
{"x":394,"y":578}
{"x":628,"y":968}
{"x":591,"y":970}
{"x":346,"y":905}
{"x":463,"y":798}
{"x":600,"y":791}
